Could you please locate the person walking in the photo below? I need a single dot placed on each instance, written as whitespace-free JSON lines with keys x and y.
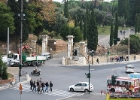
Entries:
{"x":47,"y":85}
{"x":38,"y":88}
{"x":97,"y":60}
{"x":42,"y":86}
{"x":31,"y":84}
{"x":34,"y":86}
{"x":51,"y":85}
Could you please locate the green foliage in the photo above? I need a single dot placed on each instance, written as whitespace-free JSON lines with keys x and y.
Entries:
{"x":134,"y":43}
{"x":92,"y":40}
{"x":3,"y":71}
{"x":116,"y":28}
{"x":65,"y":31}
{"x":123,"y":8}
{"x":6,"y":20}
{"x":137,"y":23}
{"x":77,"y":33}
{"x":60,"y":21}
{"x":66,"y":13}
{"x":111,"y":35}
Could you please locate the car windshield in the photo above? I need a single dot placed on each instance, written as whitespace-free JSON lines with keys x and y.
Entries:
{"x":129,"y":66}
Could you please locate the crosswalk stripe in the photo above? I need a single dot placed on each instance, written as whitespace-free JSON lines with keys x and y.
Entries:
{"x":55,"y":92}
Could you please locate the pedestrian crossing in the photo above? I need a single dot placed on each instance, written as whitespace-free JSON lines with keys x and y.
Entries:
{"x":55,"y":92}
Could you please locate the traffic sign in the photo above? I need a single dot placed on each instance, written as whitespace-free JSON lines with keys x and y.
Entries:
{"x":20,"y":87}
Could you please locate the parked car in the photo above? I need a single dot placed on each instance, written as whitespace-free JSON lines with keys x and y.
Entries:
{"x":47,"y":54}
{"x":81,"y":86}
{"x":129,"y":68}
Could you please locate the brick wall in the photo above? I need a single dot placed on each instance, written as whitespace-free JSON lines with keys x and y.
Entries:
{"x":60,"y":45}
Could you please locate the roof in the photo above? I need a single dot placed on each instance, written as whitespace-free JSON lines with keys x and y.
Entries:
{"x":124,"y":78}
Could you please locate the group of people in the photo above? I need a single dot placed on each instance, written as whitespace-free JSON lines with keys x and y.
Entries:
{"x":41,"y":86}
{"x":119,"y":58}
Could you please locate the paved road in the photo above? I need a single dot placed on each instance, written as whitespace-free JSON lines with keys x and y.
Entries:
{"x":104,"y":39}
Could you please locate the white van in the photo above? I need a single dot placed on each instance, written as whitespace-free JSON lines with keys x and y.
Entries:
{"x":47,"y":54}
{"x":129,"y":68}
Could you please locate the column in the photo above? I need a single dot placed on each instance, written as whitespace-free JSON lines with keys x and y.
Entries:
{"x":82,"y":48}
{"x":44,"y":42}
{"x":70,"y":44}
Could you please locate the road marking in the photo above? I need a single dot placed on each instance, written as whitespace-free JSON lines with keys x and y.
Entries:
{"x":55,"y":92}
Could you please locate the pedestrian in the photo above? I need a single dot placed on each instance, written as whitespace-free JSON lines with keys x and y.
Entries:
{"x":31,"y":84}
{"x":97,"y":60}
{"x":42,"y":86}
{"x":40,"y":80}
{"x":134,"y":57}
{"x":47,"y":85}
{"x":38,"y":88}
{"x":51,"y":85}
{"x":34,"y":86}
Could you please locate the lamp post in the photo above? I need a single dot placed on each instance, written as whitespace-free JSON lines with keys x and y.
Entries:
{"x":92,"y":53}
{"x":88,"y":75}
{"x":21,"y":15}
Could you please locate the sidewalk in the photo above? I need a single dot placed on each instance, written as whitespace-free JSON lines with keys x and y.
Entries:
{"x":14,"y":71}
{"x":103,"y":60}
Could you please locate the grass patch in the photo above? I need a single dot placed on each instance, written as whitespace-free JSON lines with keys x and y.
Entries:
{"x":10,"y":75}
{"x":106,"y":30}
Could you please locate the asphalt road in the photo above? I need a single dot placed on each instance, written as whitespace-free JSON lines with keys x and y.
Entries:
{"x":63,"y":76}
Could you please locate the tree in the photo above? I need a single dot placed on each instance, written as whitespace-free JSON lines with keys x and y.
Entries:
{"x":49,"y":14}
{"x":137,"y":23}
{"x":65,"y":31}
{"x":3,"y":69}
{"x":123,"y":8}
{"x":86,"y":22}
{"x":66,"y":13}
{"x":6,"y":20}
{"x":77,"y":33}
{"x":60,"y":21}
{"x":111,"y":35}
{"x":116,"y":29}
{"x":92,"y":40}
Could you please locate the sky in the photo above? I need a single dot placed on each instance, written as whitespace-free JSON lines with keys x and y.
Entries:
{"x":85,"y":0}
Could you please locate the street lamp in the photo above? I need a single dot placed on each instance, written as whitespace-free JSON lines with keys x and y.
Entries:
{"x":88,"y":75}
{"x":21,"y":15}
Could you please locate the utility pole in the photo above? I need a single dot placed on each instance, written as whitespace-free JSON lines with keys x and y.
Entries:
{"x":7,"y":44}
{"x":128,"y":44}
{"x":21,"y":15}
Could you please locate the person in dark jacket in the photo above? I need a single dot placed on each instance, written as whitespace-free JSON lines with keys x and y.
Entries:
{"x":47,"y":85}
{"x":51,"y":85}
{"x":31,"y":84}
{"x":42,"y":86}
{"x":34,"y":86}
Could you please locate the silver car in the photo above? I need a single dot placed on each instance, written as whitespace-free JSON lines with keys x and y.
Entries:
{"x":81,"y":86}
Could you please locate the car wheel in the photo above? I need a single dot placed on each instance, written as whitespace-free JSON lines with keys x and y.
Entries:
{"x":86,"y":90}
{"x":71,"y":89}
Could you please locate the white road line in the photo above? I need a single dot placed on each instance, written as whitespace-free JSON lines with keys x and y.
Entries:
{"x":55,"y":92}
